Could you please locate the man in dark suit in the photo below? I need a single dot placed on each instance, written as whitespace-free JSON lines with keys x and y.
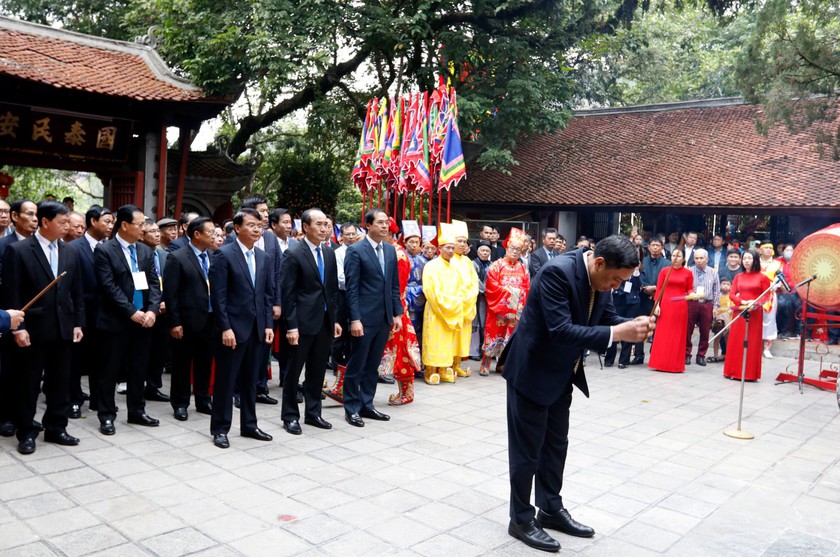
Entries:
{"x":53,"y":323}
{"x":129,"y":303}
{"x":160,"y":332}
{"x":241,"y":292}
{"x":544,"y":254}
{"x":569,"y":310}
{"x":24,"y":215}
{"x":373,"y":298}
{"x":182,"y":240}
{"x":310,"y":298}
{"x":189,"y":318}
{"x":87,"y":353}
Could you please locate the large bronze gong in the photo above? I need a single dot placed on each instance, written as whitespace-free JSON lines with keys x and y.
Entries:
{"x":819,"y":254}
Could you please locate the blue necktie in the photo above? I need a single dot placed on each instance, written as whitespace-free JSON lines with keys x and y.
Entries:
{"x":251,"y":269}
{"x":157,"y":263}
{"x":206,"y":269}
{"x":54,"y":259}
{"x":138,"y":295}
{"x":320,"y":263}
{"x":381,"y":258}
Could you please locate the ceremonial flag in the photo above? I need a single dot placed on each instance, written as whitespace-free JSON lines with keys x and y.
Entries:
{"x":452,"y":167}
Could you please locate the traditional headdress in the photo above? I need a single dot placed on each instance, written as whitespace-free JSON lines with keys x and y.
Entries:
{"x":447,"y":234}
{"x":515,"y":235}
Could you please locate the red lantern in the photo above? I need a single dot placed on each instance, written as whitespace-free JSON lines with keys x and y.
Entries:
{"x":5,"y":182}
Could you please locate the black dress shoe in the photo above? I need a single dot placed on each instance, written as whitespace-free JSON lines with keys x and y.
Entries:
{"x":622,"y":366}
{"x":388,"y":380}
{"x":687,"y":360}
{"x":204,"y":409}
{"x":143,"y":419}
{"x":60,"y":438}
{"x":37,"y":425}
{"x":374,"y":414}
{"x":74,"y":412}
{"x":608,"y":364}
{"x":7,"y":429}
{"x":299,"y":396}
{"x":263,"y":398}
{"x":637,"y":361}
{"x":317,"y":421}
{"x":354,"y":419}
{"x":221,"y":441}
{"x":293,"y":427}
{"x":85,"y":396}
{"x":236,"y":401}
{"x":107,"y":427}
{"x":26,"y":446}
{"x":181,"y":414}
{"x":701,"y":360}
{"x":156,"y":395}
{"x":258,"y":434}
{"x":563,"y":521}
{"x":533,"y":535}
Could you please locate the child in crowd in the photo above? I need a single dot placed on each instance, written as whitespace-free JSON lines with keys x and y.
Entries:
{"x":722,"y":317}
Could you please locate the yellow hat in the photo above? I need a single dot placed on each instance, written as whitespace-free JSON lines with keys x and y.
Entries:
{"x":447,"y":234}
{"x":460,"y":229}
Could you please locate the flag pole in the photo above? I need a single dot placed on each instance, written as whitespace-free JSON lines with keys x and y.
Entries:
{"x":448,"y":202}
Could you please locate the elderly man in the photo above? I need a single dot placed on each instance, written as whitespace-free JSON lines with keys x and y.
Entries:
{"x":701,"y":308}
{"x":76,"y":228}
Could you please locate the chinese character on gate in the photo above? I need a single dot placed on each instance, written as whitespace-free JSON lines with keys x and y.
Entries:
{"x":8,"y":123}
{"x":41,"y":129}
{"x":106,"y":138}
{"x":76,"y":135}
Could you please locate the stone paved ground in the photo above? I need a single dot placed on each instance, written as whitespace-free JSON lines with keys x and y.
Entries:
{"x":649,"y":469}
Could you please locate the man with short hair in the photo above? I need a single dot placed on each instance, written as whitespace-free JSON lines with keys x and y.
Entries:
{"x":44,"y":341}
{"x":76,"y":227}
{"x":701,"y":308}
{"x":5,"y":219}
{"x":733,"y":265}
{"x":569,"y":310}
{"x":129,"y":303}
{"x":69,"y":203}
{"x":160,"y":331}
{"x":189,"y":318}
{"x":341,"y":344}
{"x":545,"y":253}
{"x":717,"y":255}
{"x":373,"y":298}
{"x":24,"y":215}
{"x":310,"y":297}
{"x":652,"y":265}
{"x":280,"y":222}
{"x":690,"y":246}
{"x":242,"y":294}
{"x":87,"y":354}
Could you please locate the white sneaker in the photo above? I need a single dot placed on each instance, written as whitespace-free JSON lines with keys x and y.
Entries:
{"x":768,"y":355}
{"x":121,"y":388}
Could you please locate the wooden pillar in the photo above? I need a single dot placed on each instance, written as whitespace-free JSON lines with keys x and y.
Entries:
{"x":184,"y":143}
{"x":161,"y":197}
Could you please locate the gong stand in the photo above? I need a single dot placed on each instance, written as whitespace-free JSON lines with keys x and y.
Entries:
{"x":827,"y":379}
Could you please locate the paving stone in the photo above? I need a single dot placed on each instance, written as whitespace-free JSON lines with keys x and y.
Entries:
{"x":37,"y":549}
{"x":90,"y":540}
{"x":178,"y":542}
{"x":793,"y":542}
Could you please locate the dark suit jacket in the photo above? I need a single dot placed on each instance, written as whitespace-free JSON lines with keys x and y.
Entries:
{"x":5,"y":242}
{"x":90,"y":286}
{"x":304,"y":296}
{"x":116,"y":285}
{"x":372,"y":298}
{"x":26,"y":271}
{"x":177,"y":244}
{"x":537,"y":259}
{"x":186,"y":293}
{"x":275,"y":254}
{"x":238,"y":304}
{"x":554,"y":332}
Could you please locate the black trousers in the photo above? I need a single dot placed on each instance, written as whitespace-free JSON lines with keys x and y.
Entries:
{"x":629,"y":311}
{"x":124,"y":353}
{"x":538,"y":440}
{"x":192,"y":353}
{"x":160,"y":353}
{"x":86,"y":355}
{"x":53,"y":359}
{"x":362,"y":372}
{"x":234,"y":366}
{"x":312,"y":351}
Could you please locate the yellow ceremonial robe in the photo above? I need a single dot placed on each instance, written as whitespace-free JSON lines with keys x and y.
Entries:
{"x":469,"y":294}
{"x":443,"y":315}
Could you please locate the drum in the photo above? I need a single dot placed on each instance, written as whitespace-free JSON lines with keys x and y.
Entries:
{"x":819,"y":254}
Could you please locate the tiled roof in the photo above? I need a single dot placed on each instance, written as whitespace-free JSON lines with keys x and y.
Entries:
{"x":704,"y":154}
{"x":67,"y":60}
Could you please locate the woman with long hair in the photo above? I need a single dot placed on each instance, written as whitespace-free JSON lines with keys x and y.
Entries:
{"x":668,"y":350}
{"x":746,"y":288}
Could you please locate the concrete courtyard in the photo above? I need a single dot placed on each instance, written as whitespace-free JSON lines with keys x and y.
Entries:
{"x":649,"y":468}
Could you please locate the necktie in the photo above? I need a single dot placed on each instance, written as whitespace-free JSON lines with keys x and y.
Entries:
{"x":138,"y":295}
{"x":381,"y":257}
{"x":206,"y":269}
{"x":250,"y":256}
{"x":157,"y":263}
{"x":320,"y":263}
{"x":54,"y":259}
{"x":588,"y":317}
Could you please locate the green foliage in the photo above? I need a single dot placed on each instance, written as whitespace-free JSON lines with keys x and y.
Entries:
{"x":35,"y":183}
{"x":102,"y":18}
{"x":348,"y":206}
{"x":791,"y":64}
{"x":668,"y":54}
